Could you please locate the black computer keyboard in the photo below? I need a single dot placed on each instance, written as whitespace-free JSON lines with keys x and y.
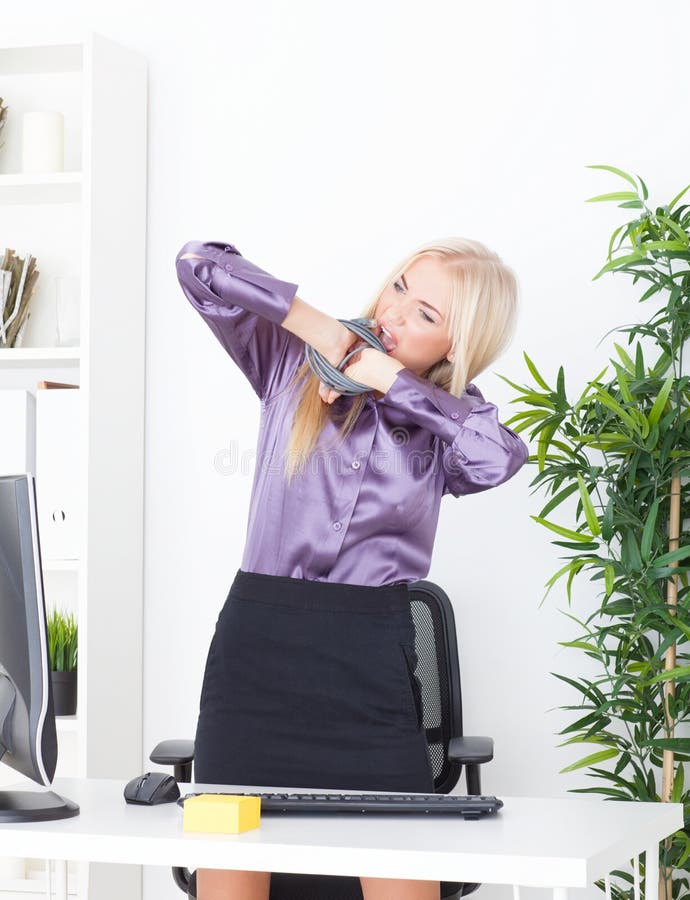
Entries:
{"x":469,"y":807}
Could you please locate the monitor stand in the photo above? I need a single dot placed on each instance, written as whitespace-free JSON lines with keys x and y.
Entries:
{"x":35,"y":806}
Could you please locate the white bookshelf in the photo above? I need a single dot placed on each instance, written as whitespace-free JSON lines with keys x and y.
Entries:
{"x":88,"y":221}
{"x":35,"y":884}
{"x":39,"y":357}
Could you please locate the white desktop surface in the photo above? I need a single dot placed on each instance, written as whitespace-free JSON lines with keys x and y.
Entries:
{"x":536,"y":841}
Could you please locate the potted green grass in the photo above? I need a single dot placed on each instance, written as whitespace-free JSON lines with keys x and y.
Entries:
{"x":62,"y":649}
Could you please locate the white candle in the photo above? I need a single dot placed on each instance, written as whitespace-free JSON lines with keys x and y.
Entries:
{"x":43,"y":141}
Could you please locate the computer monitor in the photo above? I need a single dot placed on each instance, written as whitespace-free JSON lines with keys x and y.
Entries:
{"x":28,"y":739}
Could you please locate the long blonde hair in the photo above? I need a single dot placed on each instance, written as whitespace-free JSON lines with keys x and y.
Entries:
{"x":483,"y":314}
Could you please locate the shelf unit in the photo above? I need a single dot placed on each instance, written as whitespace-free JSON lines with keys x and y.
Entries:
{"x":89,"y":221}
{"x":51,"y":187}
{"x":38,"y":357}
{"x":35,"y":884}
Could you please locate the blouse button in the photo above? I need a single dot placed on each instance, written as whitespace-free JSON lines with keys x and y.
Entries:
{"x":454,"y":415}
{"x":228,"y":267}
{"x":337,"y":525}
{"x":355,"y":464}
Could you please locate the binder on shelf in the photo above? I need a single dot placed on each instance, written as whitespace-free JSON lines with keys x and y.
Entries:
{"x":58,"y":481}
{"x":18,"y":429}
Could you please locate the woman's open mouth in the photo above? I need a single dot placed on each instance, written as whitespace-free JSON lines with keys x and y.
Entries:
{"x":387,"y":339}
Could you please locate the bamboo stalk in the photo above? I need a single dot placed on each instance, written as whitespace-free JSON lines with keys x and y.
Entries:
{"x":665,"y":872}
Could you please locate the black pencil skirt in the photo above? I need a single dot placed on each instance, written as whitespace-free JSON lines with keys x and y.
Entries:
{"x":311,"y":684}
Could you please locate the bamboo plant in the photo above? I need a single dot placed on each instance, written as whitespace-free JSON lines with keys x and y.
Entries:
{"x":622,"y":450}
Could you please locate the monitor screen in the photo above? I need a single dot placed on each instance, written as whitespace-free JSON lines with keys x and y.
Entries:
{"x":28,"y":738}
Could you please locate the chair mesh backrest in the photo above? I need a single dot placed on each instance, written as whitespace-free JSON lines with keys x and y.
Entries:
{"x":442,"y":710}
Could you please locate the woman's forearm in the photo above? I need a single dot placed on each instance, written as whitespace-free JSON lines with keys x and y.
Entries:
{"x":314,"y":327}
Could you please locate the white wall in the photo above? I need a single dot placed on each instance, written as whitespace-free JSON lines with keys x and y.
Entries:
{"x":326,"y":140}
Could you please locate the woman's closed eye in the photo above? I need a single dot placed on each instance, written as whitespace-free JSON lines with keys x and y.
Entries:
{"x":400,"y":290}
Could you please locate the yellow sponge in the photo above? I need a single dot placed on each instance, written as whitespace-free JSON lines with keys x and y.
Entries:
{"x":225,"y":813}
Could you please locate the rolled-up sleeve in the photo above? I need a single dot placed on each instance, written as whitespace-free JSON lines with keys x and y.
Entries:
{"x":479,"y":452}
{"x":244,"y":307}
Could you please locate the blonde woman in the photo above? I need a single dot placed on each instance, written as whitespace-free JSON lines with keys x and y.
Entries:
{"x":309,"y":680}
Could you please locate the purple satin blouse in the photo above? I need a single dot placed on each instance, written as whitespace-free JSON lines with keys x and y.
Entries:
{"x":364,"y":511}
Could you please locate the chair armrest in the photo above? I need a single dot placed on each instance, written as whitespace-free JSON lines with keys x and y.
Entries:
{"x":471,"y":749}
{"x":172,"y":753}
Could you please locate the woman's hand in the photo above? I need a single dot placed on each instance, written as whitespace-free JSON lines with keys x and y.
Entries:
{"x":335,"y":351}
{"x":371,"y":367}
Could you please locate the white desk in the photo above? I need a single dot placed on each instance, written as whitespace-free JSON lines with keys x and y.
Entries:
{"x":543,"y":842}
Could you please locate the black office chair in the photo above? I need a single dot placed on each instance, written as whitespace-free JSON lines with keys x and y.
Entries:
{"x":438,"y":671}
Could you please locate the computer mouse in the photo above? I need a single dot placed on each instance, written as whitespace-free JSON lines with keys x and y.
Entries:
{"x":152,"y":788}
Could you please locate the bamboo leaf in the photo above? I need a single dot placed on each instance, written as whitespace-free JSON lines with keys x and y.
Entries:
{"x":554,"y":578}
{"x":660,"y":402}
{"x":681,"y":835}
{"x":560,"y":385}
{"x":621,"y":764}
{"x":627,"y":362}
{"x":613,"y":238}
{"x":558,"y":499}
{"x":586,"y":689}
{"x":654,"y":574}
{"x":607,"y":524}
{"x":632,"y":559}
{"x":574,"y":569}
{"x":678,"y":628}
{"x":608,"y":579}
{"x":682,"y":236}
{"x":594,"y":716}
{"x":607,"y":400}
{"x":583,"y":645}
{"x":535,"y":373}
{"x":648,"y":531}
{"x":664,"y":245}
{"x":540,"y":400}
{"x":564,"y":532}
{"x":677,"y":673}
{"x":673,"y":556}
{"x":609,"y":792}
{"x":584,"y":396}
{"x":583,"y":739}
{"x":616,"y":171}
{"x":682,"y":745}
{"x":589,"y":760}
{"x":543,"y":444}
{"x":623,"y":383}
{"x":619,"y":262}
{"x":529,"y":414}
{"x":677,"y":197}
{"x":517,"y":387}
{"x":588,"y":507}
{"x":614,"y":195}
{"x":637,"y":666}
